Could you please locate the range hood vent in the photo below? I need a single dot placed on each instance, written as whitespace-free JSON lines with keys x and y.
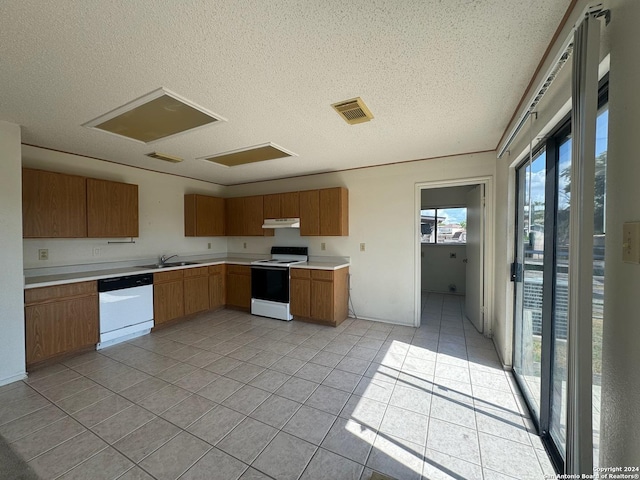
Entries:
{"x":281,"y":223}
{"x":353,"y":111}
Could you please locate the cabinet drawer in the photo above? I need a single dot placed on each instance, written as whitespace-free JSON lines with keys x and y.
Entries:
{"x":195,"y":272}
{"x":168,"y":276}
{"x":300,"y":273}
{"x":239,"y":269}
{"x":46,"y":294}
{"x":322,"y":275}
{"x":216,"y":270}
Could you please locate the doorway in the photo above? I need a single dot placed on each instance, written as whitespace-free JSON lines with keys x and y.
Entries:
{"x":454,"y":237}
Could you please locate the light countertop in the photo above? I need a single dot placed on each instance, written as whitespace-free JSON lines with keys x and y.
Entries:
{"x":101,"y":272}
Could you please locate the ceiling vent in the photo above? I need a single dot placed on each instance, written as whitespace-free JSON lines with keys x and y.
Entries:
{"x":353,"y":111}
{"x":156,"y":116}
{"x":164,"y":156}
{"x":243,"y":156}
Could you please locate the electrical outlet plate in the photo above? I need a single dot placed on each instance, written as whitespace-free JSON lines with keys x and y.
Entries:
{"x":323,"y":246}
{"x":631,"y":242}
{"x":209,"y":246}
{"x":43,"y":254}
{"x":362,"y":247}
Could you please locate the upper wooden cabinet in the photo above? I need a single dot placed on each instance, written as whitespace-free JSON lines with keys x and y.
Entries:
{"x":112,"y":209}
{"x":204,"y":216}
{"x":245,"y":216}
{"x":324,"y":212}
{"x":53,"y":205}
{"x":282,"y":205}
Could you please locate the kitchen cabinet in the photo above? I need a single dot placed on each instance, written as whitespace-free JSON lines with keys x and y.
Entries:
{"x":168,"y":296}
{"x":282,"y":205}
{"x":112,"y":209}
{"x":204,"y":216}
{"x":300,"y":291}
{"x":239,"y":286}
{"x":54,"y":205}
{"x":324,"y":212}
{"x":320,"y":296}
{"x":217,"y":286}
{"x":60,"y":319}
{"x":245,"y":216}
{"x":196,"y":290}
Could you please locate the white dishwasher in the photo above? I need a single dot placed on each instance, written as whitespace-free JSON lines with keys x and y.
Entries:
{"x":126,"y":308}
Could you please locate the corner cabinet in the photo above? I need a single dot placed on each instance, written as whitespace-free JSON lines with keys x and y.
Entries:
{"x":54,"y":205}
{"x":60,"y":319}
{"x":320,"y":296}
{"x":324,"y":212}
{"x":204,"y":216}
{"x":112,"y":209}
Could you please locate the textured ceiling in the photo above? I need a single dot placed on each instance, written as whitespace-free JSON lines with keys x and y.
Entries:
{"x":441,"y":77}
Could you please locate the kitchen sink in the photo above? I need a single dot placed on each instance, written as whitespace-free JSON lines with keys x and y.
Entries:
{"x":168,"y":265}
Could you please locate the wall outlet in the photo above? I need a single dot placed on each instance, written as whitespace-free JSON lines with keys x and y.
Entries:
{"x":362,"y":247}
{"x":43,"y":254}
{"x":452,"y":255}
{"x":323,"y":246}
{"x":209,"y":246}
{"x":96,"y":251}
{"x":244,"y":245}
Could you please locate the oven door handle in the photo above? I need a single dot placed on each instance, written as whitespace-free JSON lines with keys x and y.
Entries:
{"x":260,"y":267}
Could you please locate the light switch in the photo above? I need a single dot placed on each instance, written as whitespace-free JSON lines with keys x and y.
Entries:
{"x":362,"y":247}
{"x":631,"y":242}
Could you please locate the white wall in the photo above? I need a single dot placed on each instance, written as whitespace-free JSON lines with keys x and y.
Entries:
{"x":382,"y":211}
{"x":161,"y":213}
{"x":620,"y":425}
{"x":439,"y":270}
{"x":12,"y":354}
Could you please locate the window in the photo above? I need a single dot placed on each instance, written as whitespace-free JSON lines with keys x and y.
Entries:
{"x":444,"y":226}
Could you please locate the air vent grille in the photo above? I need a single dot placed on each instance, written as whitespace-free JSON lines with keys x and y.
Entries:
{"x":353,"y":111}
{"x":164,"y":156}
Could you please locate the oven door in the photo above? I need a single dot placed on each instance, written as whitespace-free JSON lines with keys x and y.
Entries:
{"x":270,"y":283}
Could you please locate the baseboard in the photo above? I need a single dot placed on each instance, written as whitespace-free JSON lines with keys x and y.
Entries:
{"x":13,"y":378}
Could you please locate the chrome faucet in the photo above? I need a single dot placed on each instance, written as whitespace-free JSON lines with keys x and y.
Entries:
{"x":164,"y":258}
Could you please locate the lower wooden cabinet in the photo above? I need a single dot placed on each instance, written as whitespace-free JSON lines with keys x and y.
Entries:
{"x":320,"y":295}
{"x":168,"y":296}
{"x":217,"y":286}
{"x":196,"y":290}
{"x":60,"y":319}
{"x":239,"y":286}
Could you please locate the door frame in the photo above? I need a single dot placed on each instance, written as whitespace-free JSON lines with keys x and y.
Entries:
{"x":488,"y":244}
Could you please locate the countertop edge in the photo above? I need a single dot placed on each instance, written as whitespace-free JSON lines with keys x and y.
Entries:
{"x":93,"y":276}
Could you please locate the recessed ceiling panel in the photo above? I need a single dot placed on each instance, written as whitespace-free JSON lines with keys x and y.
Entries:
{"x":258,"y":153}
{"x":160,"y":114}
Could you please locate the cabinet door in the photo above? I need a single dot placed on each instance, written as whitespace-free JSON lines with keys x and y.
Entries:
{"x":204,"y":216}
{"x":253,"y":215}
{"x":196,"y":294}
{"x":234,"y":212}
{"x":334,"y":216}
{"x":300,"y":297}
{"x":239,"y":290}
{"x":59,"y":327}
{"x":290,"y":205}
{"x":310,"y":212}
{"x":217,"y":287}
{"x":168,"y":301}
{"x":322,"y":300}
{"x":53,"y":205}
{"x":112,"y":209}
{"x":272,"y":206}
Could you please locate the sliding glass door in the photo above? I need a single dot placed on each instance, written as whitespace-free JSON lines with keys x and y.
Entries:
{"x":540,"y":273}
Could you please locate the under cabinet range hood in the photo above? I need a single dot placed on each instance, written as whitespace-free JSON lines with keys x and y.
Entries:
{"x":281,"y":223}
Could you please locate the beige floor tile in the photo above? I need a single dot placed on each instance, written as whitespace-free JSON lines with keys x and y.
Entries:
{"x":175,"y":457}
{"x":215,"y":424}
{"x":188,"y":411}
{"x":84,"y":398}
{"x":31,"y":422}
{"x":96,"y":413}
{"x":146,"y":439}
{"x":215,"y":465}
{"x":47,"y":438}
{"x":142,"y":390}
{"x":164,"y":399}
{"x":67,"y":455}
{"x":107,"y":464}
{"x":122,"y":423}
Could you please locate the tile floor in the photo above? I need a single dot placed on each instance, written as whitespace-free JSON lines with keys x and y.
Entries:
{"x":227,"y":395}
